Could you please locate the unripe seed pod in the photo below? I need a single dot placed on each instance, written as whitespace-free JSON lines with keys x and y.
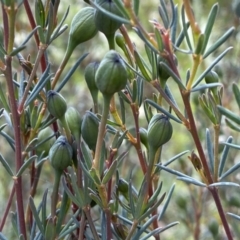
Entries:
{"x":143,"y":136}
{"x":212,"y":77}
{"x":45,"y":146}
{"x":74,"y":121}
{"x":159,"y":130}
{"x":89,"y":74}
{"x":104,"y":23}
{"x":60,"y":154}
{"x":89,"y":130}
{"x":56,"y":104}
{"x":83,"y":27}
{"x":213,"y":227}
{"x":111,"y":76}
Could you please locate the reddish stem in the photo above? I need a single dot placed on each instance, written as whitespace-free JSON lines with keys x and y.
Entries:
{"x":17,"y":137}
{"x":6,"y":212}
{"x":33,"y":25}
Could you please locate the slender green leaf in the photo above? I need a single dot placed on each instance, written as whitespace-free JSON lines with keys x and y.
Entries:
{"x":185,"y":28}
{"x":144,"y":227}
{"x":29,"y":36}
{"x":224,"y":184}
{"x":236,"y":92}
{"x":173,"y":75}
{"x":175,"y":158}
{"x":152,"y":103}
{"x":114,"y":16}
{"x":70,"y":73}
{"x":223,"y":158}
{"x":2,"y":237}
{"x":234,"y":216}
{"x":58,"y":30}
{"x":158,"y":230}
{"x":174,"y":172}
{"x":169,"y":196}
{"x":210,"y":22}
{"x":212,"y":65}
{"x":191,"y":181}
{"x":219,"y":42}
{"x":205,"y":86}
{"x":6,"y":165}
{"x":40,"y":85}
{"x":234,"y":117}
{"x":35,"y":214}
{"x":136,"y":4}
{"x":210,"y":150}
{"x":230,"y":171}
{"x":232,"y":125}
{"x":26,"y":165}
{"x":17,"y":50}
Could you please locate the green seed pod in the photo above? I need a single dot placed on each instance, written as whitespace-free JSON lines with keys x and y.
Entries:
{"x":213,"y":227}
{"x":56,"y":104}
{"x":74,"y":121}
{"x":89,"y":74}
{"x":104,"y":23}
{"x":120,"y":40}
{"x":212,"y":77}
{"x":111,"y":76}
{"x":83,"y":27}
{"x":60,"y":154}
{"x":159,"y":130}
{"x":143,"y":136}
{"x":46,"y":140}
{"x":89,"y":130}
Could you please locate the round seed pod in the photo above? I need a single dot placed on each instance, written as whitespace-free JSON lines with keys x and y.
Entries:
{"x":60,"y":154}
{"x":74,"y":121}
{"x":56,"y":104}
{"x":111,"y":75}
{"x":104,"y":23}
{"x":83,"y":27}
{"x":89,"y":130}
{"x":212,"y":77}
{"x":159,"y":130}
{"x":46,"y":145}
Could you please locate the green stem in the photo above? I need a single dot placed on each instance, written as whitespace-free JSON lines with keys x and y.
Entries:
{"x":54,"y":197}
{"x":90,"y":222}
{"x":132,"y":230}
{"x":41,"y":50}
{"x":111,"y":41}
{"x":101,"y":132}
{"x":66,"y":128}
{"x":67,"y":55}
{"x":216,"y":148}
{"x":11,"y":23}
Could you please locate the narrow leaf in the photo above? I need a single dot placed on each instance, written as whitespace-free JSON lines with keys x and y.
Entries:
{"x":230,"y":171}
{"x":205,"y":86}
{"x":35,"y":214}
{"x":234,"y":117}
{"x":26,"y":165}
{"x":162,"y":110}
{"x":210,"y":150}
{"x":236,"y":92}
{"x":6,"y":165}
{"x":219,"y":42}
{"x":224,"y":184}
{"x":169,"y":196}
{"x":224,"y":157}
{"x":212,"y":65}
{"x":210,"y":22}
{"x":192,"y":181}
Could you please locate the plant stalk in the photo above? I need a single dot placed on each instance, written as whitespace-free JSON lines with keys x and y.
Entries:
{"x":18,"y":150}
